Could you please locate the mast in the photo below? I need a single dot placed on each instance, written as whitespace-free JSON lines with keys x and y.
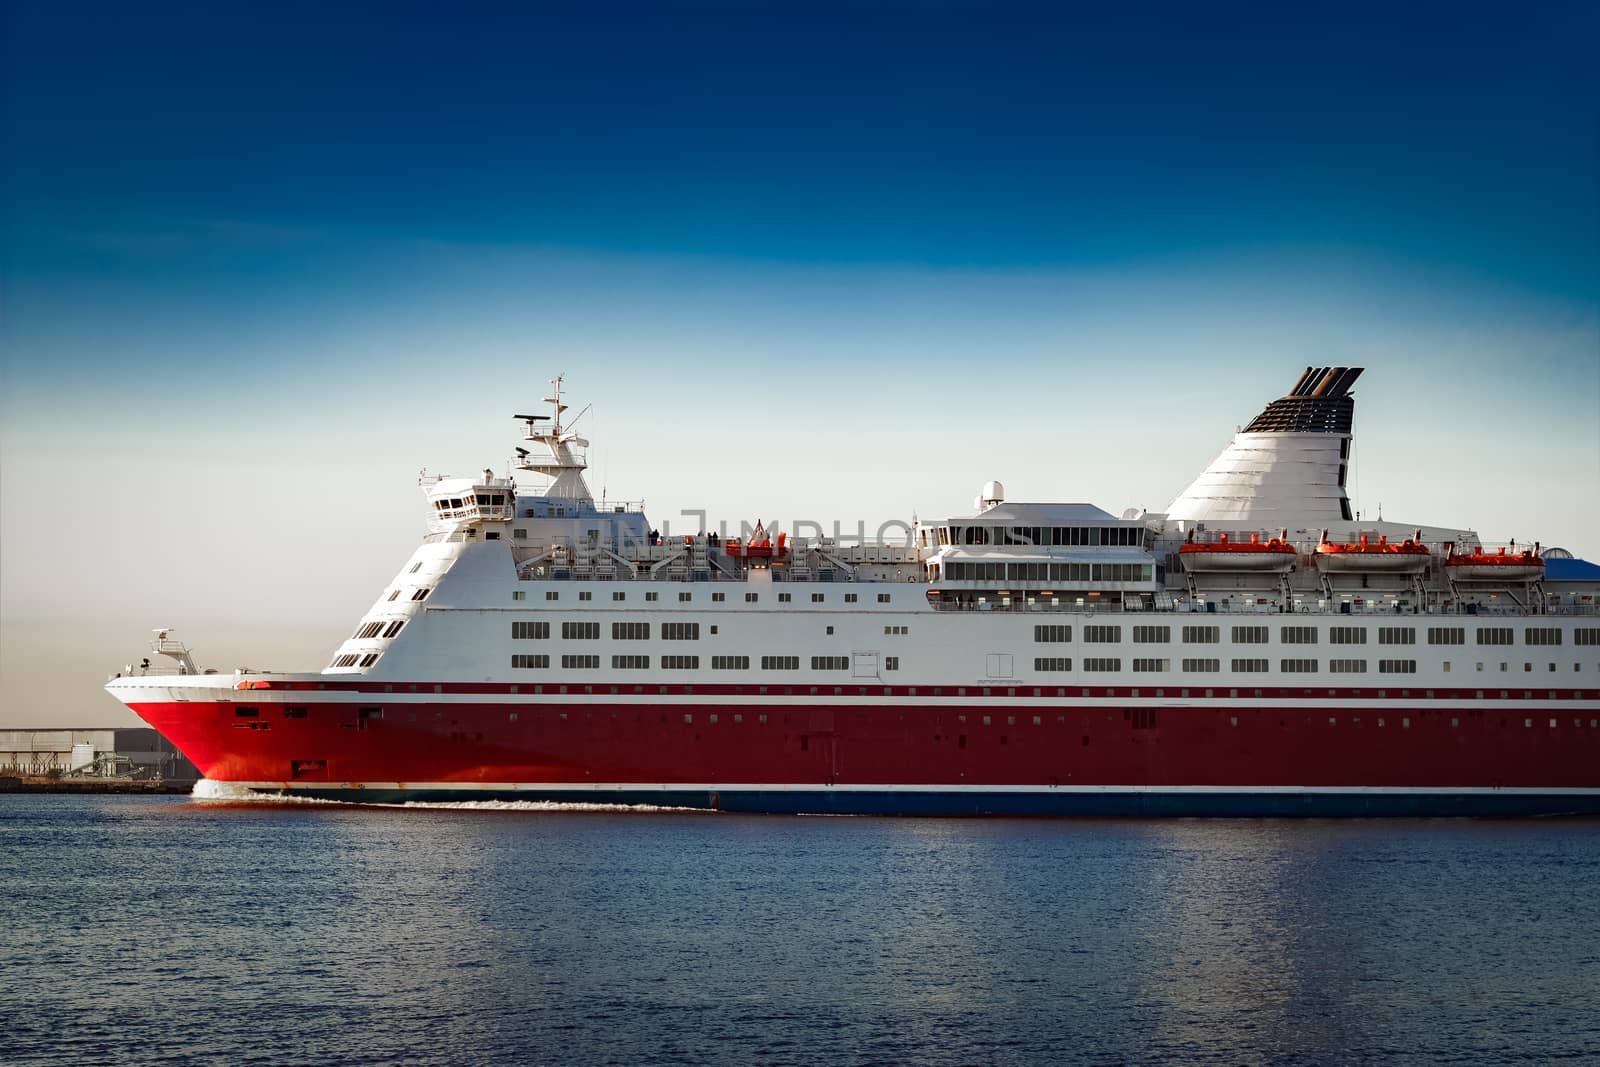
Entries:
{"x":562,"y":464}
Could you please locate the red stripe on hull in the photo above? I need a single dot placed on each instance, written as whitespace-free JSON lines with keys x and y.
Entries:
{"x":549,"y":742}
{"x":1399,"y":689}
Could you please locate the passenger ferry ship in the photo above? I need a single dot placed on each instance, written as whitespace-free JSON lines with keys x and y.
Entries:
{"x":1255,"y":650}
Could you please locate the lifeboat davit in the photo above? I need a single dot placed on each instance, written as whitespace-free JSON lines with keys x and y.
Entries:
{"x":1501,"y":566}
{"x":1223,"y":556}
{"x":759,"y":546}
{"x":1410,"y":556}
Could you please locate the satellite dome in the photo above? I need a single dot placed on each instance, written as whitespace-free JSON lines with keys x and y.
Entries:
{"x":993,"y":493}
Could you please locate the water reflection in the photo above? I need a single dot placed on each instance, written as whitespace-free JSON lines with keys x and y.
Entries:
{"x":320,"y":932}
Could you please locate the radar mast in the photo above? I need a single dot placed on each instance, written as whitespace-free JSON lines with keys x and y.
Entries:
{"x":565,"y":462}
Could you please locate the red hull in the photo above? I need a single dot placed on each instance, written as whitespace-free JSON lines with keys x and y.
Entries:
{"x":1360,"y":741}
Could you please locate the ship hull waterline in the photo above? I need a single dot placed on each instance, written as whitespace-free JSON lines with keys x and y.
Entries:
{"x":1276,"y":759}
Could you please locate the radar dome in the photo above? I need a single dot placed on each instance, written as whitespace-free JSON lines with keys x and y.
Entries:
{"x":993,"y":493}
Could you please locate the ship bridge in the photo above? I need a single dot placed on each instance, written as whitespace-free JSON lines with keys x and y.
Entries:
{"x":456,"y":503}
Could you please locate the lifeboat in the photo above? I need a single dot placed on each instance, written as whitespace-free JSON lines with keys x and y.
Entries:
{"x":1501,"y":566}
{"x":759,"y":546}
{"x":1410,"y":556}
{"x":1223,"y":556}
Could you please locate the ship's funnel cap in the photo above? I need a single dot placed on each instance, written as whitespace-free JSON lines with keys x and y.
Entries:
{"x":1320,"y":402}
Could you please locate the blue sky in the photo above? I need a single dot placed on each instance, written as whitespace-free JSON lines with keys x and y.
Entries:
{"x":948,"y":134}
{"x":818,"y":260}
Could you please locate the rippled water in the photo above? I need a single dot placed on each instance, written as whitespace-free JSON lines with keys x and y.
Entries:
{"x":159,"y":929}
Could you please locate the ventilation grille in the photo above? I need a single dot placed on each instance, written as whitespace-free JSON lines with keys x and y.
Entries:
{"x":1320,"y":402}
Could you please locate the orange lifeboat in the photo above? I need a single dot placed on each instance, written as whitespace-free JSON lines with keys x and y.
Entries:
{"x":1410,"y":556}
{"x":1501,"y":566}
{"x":1223,"y":556}
{"x":758,"y":547}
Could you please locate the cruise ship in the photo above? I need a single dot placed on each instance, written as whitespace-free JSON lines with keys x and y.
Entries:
{"x":1256,"y":650}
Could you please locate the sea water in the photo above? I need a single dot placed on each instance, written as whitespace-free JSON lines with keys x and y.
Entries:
{"x":144,"y":930}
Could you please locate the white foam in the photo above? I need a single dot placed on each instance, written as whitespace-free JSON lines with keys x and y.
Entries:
{"x":208,"y":791}
{"x":540,"y":805}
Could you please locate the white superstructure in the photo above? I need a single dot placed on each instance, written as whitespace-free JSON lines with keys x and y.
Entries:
{"x":515,"y":584}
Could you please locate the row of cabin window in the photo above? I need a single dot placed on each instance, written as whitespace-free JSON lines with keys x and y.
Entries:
{"x":652,"y":597}
{"x":1043,"y":663}
{"x":377,"y":629}
{"x":1239,"y":666}
{"x":358,"y":660}
{"x":1307,"y":635}
{"x":539,"y":630}
{"x":417,"y":594}
{"x":579,"y":661}
{"x":482,"y":500}
{"x":1130,"y":536}
{"x":963,"y":571}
